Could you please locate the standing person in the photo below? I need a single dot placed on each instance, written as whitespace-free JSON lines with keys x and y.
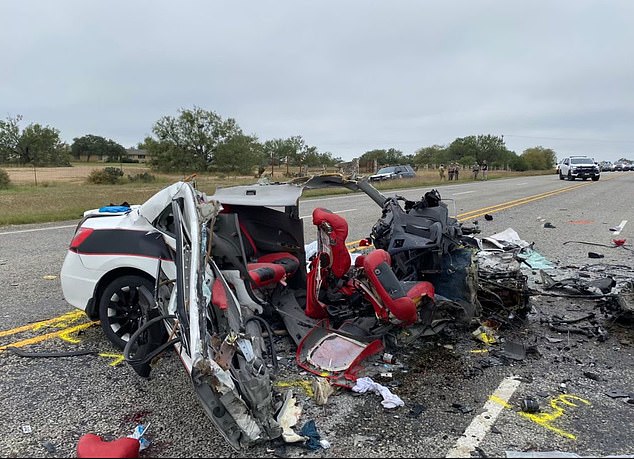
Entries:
{"x":456,"y":170}
{"x":475,"y":169}
{"x":451,"y":171}
{"x":485,"y":170}
{"x":441,"y":172}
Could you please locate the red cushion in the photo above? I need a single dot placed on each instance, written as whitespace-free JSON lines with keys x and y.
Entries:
{"x":219,"y":295}
{"x":91,"y":445}
{"x":285,"y":259}
{"x":337,"y":240}
{"x":263,"y":274}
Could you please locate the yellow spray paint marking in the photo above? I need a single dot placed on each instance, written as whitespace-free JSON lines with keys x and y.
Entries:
{"x":64,"y":334}
{"x":56,"y":322}
{"x":49,"y":277}
{"x":306,"y":385}
{"x":546,"y":419}
{"x":117,"y":358}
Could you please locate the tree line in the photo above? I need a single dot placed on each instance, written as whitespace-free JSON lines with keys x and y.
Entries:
{"x":198,"y":140}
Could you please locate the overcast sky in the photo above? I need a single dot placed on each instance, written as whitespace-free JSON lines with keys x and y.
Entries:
{"x":347,"y":76}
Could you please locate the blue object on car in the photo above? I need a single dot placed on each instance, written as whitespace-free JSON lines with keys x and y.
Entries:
{"x":114,"y":209}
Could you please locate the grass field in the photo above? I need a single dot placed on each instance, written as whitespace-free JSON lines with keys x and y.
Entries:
{"x":63,"y":194}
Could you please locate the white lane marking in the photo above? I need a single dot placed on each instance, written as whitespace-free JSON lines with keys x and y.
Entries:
{"x":481,"y":424}
{"x":38,"y":229}
{"x":336,"y":212}
{"x":619,"y":228}
{"x":463,"y":192}
{"x":523,"y":183}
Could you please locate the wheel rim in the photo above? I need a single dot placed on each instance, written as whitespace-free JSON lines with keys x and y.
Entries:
{"x":124,"y":312}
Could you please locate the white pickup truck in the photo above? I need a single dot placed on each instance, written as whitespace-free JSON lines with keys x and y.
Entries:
{"x":583,"y":167}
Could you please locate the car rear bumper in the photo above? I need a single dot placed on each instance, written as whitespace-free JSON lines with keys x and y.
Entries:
{"x":77,"y":287}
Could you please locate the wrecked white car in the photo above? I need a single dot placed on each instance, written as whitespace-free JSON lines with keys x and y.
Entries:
{"x":238,"y":264}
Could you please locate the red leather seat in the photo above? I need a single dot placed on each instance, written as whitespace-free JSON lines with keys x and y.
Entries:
{"x":397,"y":300}
{"x":391,"y":299}
{"x":288,"y":261}
{"x":265,"y":274}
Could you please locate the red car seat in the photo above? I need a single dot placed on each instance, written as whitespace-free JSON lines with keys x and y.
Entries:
{"x":391,"y":298}
{"x":332,"y":262}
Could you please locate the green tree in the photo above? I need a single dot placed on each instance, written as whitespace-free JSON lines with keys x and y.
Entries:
{"x":34,"y":145}
{"x":383,"y":157}
{"x":188,"y":142}
{"x":539,"y":158}
{"x":9,"y":139}
{"x":239,"y":154}
{"x":436,"y":154}
{"x":94,"y":145}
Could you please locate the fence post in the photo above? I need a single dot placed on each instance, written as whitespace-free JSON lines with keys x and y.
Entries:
{"x":35,"y":173}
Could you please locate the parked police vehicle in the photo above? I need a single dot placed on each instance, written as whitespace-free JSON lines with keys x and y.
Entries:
{"x":584,"y":167}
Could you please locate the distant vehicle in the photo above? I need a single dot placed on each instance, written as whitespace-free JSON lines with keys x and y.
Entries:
{"x":606,"y":166}
{"x":582,"y":167}
{"x":393,"y":172}
{"x":622,"y":166}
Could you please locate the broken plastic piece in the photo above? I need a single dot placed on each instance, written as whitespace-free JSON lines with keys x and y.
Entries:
{"x":549,"y":225}
{"x":514,"y":351}
{"x":288,"y":417}
{"x":529,"y":405}
{"x":485,"y":334}
{"x":488,"y":217}
{"x":416,"y":410}
{"x":322,"y":390}
{"x":93,"y":446}
{"x":595,"y":255}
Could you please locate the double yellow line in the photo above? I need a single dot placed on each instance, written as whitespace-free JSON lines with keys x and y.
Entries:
{"x":353,"y":246}
{"x":516,"y":202}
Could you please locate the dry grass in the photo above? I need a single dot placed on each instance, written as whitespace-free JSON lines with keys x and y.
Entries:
{"x":62,"y":192}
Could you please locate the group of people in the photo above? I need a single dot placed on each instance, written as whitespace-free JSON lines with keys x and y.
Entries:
{"x":454,"y":171}
{"x":477,"y":168}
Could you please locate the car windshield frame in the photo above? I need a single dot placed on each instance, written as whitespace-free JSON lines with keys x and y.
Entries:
{"x":387,"y":170}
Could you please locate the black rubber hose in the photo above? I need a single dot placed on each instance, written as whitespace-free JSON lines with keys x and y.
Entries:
{"x":43,"y":355}
{"x":270,"y":337}
{"x":135,"y":337}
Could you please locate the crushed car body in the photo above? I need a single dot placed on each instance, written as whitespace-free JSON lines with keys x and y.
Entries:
{"x":235,"y":264}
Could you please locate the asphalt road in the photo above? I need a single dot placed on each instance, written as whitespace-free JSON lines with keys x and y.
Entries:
{"x":57,"y":400}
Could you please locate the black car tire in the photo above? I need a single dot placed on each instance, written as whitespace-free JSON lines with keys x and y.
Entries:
{"x":594,"y":179}
{"x":119,"y":310}
{"x":561,"y":177}
{"x":570,"y":176}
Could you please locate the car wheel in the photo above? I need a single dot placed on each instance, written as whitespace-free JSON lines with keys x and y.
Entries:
{"x":561,"y":177}
{"x":570,"y":176}
{"x":119,"y":309}
{"x":594,"y":179}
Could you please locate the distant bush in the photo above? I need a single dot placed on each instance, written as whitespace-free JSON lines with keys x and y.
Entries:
{"x":105,"y":176}
{"x":4,"y":179}
{"x":144,"y":177}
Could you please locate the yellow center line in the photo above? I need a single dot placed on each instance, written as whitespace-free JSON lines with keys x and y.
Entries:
{"x":514,"y":203}
{"x":503,"y":206}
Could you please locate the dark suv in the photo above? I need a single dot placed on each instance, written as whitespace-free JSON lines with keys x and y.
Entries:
{"x":393,"y":172}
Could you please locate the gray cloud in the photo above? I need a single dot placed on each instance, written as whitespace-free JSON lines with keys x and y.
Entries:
{"x":347,"y":76}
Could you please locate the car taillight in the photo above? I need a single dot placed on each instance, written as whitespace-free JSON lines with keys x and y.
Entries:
{"x":80,"y":236}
